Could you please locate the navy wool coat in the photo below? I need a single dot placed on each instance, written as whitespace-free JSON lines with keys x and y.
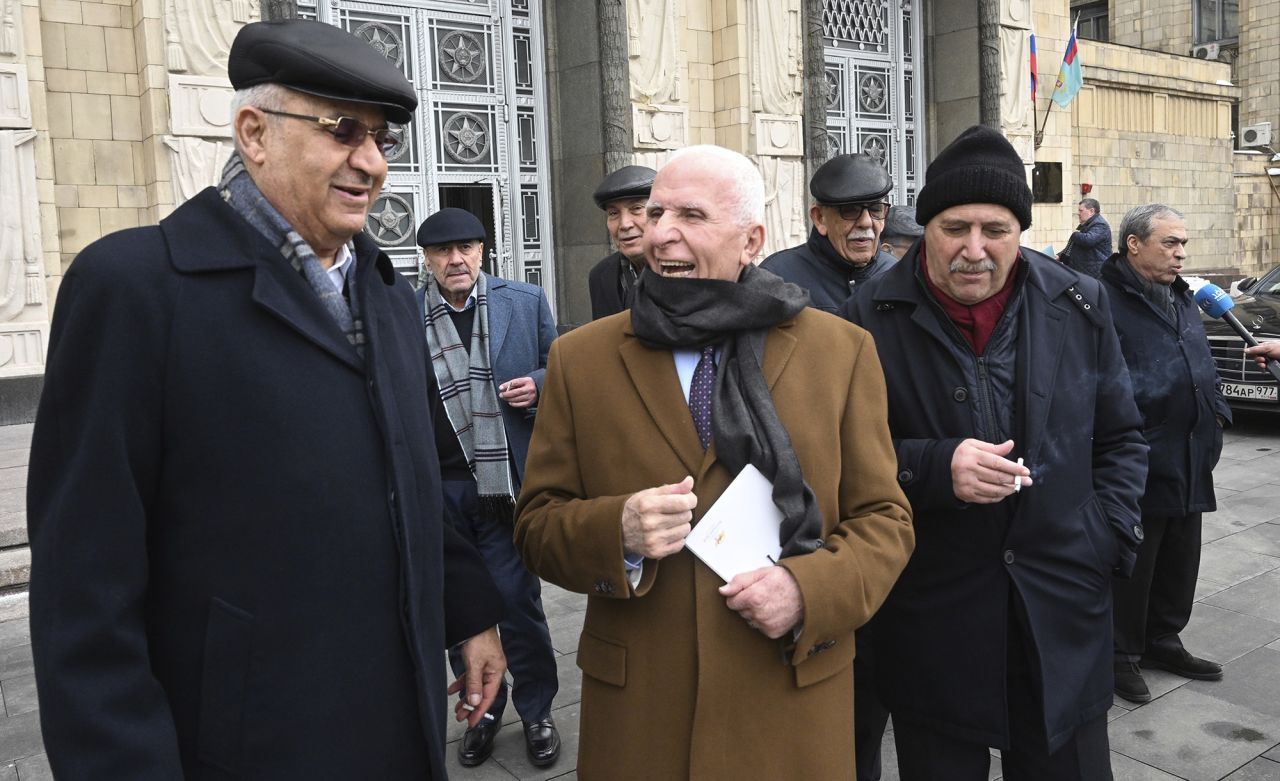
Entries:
{"x":1177,"y":389}
{"x":521,"y":330}
{"x":940,"y":638}
{"x":239,"y":568}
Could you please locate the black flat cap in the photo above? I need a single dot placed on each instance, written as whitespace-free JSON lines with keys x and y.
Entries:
{"x":449,"y":225}
{"x":321,"y":60}
{"x":901,"y":224}
{"x":850,"y":179}
{"x":632,"y":181}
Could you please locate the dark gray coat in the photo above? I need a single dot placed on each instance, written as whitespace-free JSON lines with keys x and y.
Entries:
{"x":940,"y":638}
{"x":238,"y":564}
{"x":1089,"y":246}
{"x":1177,"y":389}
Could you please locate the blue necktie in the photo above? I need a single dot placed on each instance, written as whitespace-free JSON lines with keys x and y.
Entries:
{"x":704,"y":381}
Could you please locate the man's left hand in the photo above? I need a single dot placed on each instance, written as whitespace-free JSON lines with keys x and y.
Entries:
{"x":768,"y":598}
{"x":485,"y":665}
{"x":520,"y":393}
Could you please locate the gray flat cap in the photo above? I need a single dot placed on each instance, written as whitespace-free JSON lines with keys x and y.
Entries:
{"x":850,"y":179}
{"x":321,"y":60}
{"x":901,"y":224}
{"x":632,"y":181}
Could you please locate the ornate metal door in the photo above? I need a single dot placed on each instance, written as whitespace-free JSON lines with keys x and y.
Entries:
{"x":874,"y":102}
{"x":478,"y":141}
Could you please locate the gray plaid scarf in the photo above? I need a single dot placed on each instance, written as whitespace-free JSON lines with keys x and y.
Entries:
{"x":470,"y":398}
{"x":240,"y":192}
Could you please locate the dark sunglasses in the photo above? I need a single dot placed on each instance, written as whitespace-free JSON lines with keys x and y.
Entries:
{"x":351,"y":132}
{"x":853,"y":211}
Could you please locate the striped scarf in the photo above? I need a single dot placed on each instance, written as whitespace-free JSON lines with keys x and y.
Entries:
{"x":470,"y":398}
{"x":242,"y":194}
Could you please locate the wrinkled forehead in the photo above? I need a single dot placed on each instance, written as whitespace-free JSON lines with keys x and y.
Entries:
{"x":302,"y":103}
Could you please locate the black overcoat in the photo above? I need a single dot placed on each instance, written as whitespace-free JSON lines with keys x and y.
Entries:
{"x":819,"y":269}
{"x":940,"y":638}
{"x":238,"y":564}
{"x":1178,"y":392}
{"x":604,"y":285}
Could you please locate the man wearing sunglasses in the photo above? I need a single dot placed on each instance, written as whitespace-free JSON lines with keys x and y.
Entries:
{"x":850,"y":194}
{"x":239,"y":562}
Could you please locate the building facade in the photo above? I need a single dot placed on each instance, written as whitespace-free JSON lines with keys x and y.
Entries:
{"x":113,"y":112}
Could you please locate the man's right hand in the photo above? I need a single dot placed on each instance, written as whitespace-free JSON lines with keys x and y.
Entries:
{"x":981,"y":475}
{"x":655,"y":521}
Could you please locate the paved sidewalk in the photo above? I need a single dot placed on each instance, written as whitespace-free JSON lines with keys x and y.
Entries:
{"x":1192,"y":730}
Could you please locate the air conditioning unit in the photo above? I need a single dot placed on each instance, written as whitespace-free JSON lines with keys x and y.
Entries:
{"x":1255,"y":135}
{"x":1205,"y":51}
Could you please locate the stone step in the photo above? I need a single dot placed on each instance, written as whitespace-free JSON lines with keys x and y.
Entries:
{"x":13,"y":529}
{"x":15,"y":567}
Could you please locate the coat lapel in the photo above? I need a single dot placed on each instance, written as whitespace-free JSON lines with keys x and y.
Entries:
{"x":207,"y":235}
{"x":499,"y":315}
{"x":653,"y":372}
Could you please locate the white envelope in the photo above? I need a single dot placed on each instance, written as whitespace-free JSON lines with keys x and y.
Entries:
{"x":740,"y":531}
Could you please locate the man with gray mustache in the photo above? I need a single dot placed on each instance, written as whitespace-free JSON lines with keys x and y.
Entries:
{"x":1020,"y":449}
{"x":850,"y":194}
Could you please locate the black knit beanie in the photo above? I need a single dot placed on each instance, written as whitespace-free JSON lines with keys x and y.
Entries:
{"x":980,"y":166}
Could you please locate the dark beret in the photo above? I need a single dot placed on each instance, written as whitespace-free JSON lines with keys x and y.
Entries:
{"x":449,"y":225}
{"x":850,"y":179}
{"x":901,"y":224}
{"x":322,"y":60}
{"x":632,"y":181}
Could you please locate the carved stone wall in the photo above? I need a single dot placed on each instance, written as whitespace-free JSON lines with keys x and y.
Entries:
{"x":777,"y":129}
{"x":198,"y":36}
{"x":23,"y":314}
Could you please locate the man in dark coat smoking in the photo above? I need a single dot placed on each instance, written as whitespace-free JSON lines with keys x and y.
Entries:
{"x":1020,"y":449}
{"x":239,"y":568}
{"x":850,"y":203}
{"x":1177,"y":389}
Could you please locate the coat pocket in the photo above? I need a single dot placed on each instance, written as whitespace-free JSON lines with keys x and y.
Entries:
{"x":602,"y":659}
{"x":223,"y":684}
{"x":1098,"y":533}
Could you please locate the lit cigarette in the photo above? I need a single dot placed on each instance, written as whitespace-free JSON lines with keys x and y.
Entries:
{"x":468,"y":706}
{"x":1017,"y":480}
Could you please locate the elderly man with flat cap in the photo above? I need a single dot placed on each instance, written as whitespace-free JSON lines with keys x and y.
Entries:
{"x":850,"y":195}
{"x":240,"y":568}
{"x":488,"y":340}
{"x":1021,"y":450}
{"x":622,"y":195}
{"x":900,"y":231}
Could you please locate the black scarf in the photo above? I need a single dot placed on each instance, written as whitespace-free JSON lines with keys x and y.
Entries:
{"x":692,"y":313}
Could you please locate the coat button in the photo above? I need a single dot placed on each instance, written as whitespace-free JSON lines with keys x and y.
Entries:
{"x":960,"y":394}
{"x":1008,"y":557}
{"x":905,"y":476}
{"x":1138,"y":534}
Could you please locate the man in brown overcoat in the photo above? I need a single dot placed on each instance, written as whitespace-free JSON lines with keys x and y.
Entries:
{"x":646,"y":416}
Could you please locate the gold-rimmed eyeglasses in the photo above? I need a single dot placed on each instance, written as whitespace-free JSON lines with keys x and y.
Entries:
{"x":351,"y":132}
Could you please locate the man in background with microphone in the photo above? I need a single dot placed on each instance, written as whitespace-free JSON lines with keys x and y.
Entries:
{"x":1183,"y":410}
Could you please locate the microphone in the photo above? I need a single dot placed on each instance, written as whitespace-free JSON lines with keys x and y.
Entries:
{"x":1217,"y":304}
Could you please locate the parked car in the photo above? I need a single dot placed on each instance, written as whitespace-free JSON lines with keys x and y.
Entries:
{"x":1257,"y":307}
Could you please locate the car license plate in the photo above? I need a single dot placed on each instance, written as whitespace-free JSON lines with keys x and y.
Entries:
{"x":1250,"y":392}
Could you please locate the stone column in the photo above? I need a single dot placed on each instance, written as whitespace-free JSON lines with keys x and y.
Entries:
{"x":777,"y":129}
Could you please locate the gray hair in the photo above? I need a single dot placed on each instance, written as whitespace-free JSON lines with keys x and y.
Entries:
{"x":1137,"y":221}
{"x":267,"y":97}
{"x":1092,"y":205}
{"x":746,"y":189}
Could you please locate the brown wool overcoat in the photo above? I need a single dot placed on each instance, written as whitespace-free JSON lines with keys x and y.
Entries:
{"x":675,"y":684}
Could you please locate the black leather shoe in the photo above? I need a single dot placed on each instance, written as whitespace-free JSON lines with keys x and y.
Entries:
{"x":1180,"y":662}
{"x":477,"y":742}
{"x":1129,"y":682}
{"x":542,"y":739}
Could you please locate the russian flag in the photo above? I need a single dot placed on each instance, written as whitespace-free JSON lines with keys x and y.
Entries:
{"x":1070,"y":77}
{"x":1034,"y":76}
